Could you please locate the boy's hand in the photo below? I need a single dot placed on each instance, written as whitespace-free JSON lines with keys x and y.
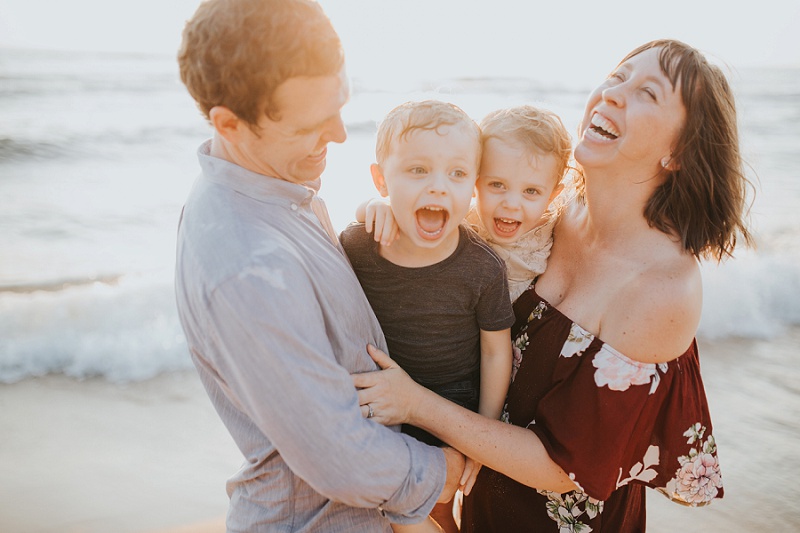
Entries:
{"x":471,"y":469}
{"x":378,"y":215}
{"x":455,"y":466}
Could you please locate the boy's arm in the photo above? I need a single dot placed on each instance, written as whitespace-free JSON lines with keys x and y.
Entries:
{"x":495,"y":377}
{"x":495,"y":371}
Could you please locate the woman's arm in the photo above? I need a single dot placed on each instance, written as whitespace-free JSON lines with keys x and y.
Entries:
{"x":511,"y":450}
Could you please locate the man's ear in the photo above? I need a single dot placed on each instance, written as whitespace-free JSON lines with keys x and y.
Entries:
{"x":378,"y":179}
{"x":226,"y":123}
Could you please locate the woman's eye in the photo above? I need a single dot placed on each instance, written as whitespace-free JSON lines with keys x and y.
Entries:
{"x":650,"y":93}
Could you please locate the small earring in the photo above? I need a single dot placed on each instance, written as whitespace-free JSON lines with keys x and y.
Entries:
{"x":665,"y":162}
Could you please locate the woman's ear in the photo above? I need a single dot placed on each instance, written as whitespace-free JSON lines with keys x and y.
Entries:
{"x":668,"y":163}
{"x":226,"y":123}
{"x":378,"y":179}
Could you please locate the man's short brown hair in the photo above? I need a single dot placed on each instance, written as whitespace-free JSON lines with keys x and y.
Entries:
{"x":235,"y":53}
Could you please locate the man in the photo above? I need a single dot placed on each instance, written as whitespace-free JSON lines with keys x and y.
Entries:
{"x":274,"y":317}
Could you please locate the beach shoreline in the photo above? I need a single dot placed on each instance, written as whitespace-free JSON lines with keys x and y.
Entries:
{"x":92,"y":456}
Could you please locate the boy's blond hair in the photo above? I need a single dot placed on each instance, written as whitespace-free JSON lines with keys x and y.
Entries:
{"x":424,"y":115}
{"x":538,"y":130}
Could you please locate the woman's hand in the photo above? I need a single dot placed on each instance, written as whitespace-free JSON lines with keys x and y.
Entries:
{"x":387,"y":395}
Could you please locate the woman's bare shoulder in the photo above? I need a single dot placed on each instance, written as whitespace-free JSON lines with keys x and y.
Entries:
{"x":659,"y":311}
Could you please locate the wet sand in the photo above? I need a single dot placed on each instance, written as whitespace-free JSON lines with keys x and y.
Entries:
{"x":94,"y":457}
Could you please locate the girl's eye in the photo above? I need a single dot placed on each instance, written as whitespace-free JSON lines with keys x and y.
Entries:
{"x":417,"y":170}
{"x":531,"y":192}
{"x":495,"y":185}
{"x":458,"y":173}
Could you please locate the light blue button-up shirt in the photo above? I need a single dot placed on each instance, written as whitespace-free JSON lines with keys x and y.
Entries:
{"x":276,"y":322}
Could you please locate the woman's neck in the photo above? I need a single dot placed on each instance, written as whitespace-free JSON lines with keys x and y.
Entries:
{"x":614,"y":210}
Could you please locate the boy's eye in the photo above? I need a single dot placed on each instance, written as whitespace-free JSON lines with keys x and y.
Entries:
{"x":458,"y":173}
{"x":531,"y":192}
{"x":417,"y":170}
{"x":495,"y":185}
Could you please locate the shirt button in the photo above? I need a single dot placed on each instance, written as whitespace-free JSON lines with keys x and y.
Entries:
{"x":294,"y":207}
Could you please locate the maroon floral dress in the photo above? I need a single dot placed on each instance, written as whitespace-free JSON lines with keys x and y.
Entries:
{"x":613,"y":424}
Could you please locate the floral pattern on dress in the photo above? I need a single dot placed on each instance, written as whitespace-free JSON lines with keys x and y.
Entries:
{"x":566,"y":510}
{"x":642,"y":471}
{"x":537,"y":311}
{"x":698,"y":479}
{"x":520,"y":343}
{"x":619,"y":373}
{"x":579,"y":339}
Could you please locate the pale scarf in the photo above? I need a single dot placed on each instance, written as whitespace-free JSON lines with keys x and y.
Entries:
{"x":526,"y":258}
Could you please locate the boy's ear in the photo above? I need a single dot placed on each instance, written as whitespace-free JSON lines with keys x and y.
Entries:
{"x":226,"y":123}
{"x":378,"y":179}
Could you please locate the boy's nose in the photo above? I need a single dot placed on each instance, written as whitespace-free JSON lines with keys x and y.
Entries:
{"x":437,"y":183}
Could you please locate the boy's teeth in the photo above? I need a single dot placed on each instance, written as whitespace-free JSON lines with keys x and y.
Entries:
{"x":603,"y":126}
{"x":432,"y":219}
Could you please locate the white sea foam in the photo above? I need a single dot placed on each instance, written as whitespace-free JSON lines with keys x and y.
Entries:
{"x":97,"y":154}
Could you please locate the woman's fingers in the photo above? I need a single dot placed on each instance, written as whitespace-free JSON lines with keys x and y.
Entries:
{"x":383,"y":360}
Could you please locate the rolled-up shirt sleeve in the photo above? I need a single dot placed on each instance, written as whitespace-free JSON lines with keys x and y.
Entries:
{"x":271,"y":347}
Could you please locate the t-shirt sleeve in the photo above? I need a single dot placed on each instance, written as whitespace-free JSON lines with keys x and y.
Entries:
{"x":610,"y":421}
{"x":494,"y":311}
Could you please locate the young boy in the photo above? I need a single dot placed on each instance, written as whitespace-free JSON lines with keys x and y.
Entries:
{"x":439,"y":291}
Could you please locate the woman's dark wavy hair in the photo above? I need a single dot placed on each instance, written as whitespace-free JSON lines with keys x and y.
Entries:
{"x":704,"y":197}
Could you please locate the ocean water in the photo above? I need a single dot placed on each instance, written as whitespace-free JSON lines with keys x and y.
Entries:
{"x":97,"y":153}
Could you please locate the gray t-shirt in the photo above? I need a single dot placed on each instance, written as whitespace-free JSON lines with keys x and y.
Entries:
{"x":432,"y":316}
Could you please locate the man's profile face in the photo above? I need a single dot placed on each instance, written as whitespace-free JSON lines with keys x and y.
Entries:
{"x":294,"y":147}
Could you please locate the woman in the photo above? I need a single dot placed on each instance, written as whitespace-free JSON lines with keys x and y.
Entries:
{"x":606,"y":395}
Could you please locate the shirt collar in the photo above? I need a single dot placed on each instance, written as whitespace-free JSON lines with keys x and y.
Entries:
{"x":251,"y":184}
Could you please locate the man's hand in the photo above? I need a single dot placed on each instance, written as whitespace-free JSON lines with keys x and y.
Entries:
{"x":455,"y":468}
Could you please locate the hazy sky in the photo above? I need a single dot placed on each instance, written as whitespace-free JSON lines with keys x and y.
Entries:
{"x":397,"y":39}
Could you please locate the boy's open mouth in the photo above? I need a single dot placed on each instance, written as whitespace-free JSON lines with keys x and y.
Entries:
{"x":506,"y":226}
{"x":431,"y":221}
